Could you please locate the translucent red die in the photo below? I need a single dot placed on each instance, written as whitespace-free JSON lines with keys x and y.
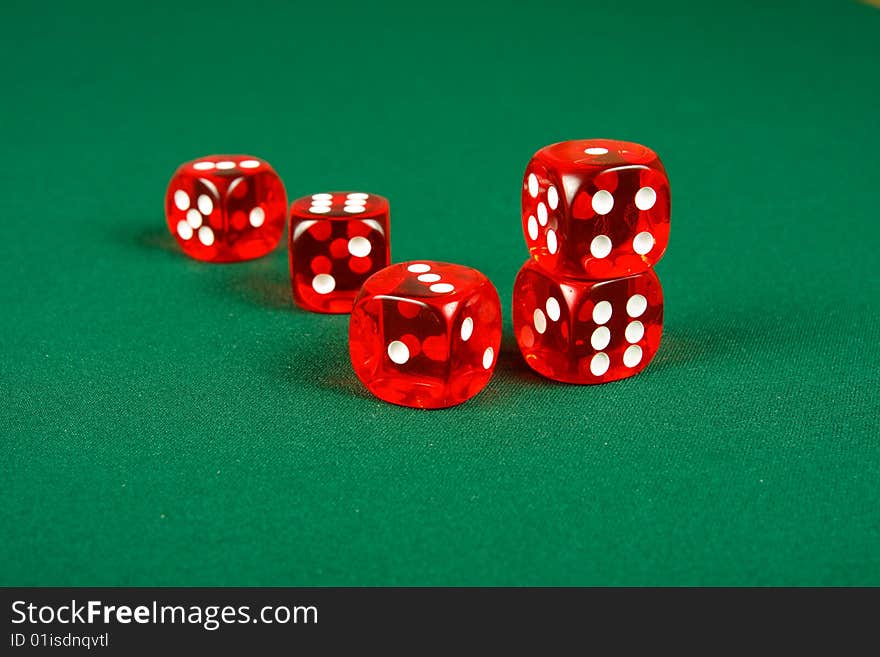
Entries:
{"x":580,"y":331}
{"x":596,"y":208}
{"x":425,"y":334}
{"x":226,"y":208}
{"x":337,"y":241}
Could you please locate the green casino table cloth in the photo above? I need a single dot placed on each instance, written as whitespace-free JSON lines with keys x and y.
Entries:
{"x":172,"y":422}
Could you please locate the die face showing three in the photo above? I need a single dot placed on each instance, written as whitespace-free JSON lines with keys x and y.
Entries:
{"x":337,"y":241}
{"x":596,"y":208}
{"x":425,"y":334}
{"x":579,"y":331}
{"x":226,"y":208}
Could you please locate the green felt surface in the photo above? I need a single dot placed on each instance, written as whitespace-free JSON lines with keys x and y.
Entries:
{"x":169,"y":422}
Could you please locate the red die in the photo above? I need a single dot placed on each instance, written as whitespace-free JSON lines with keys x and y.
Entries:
{"x":587,"y":331}
{"x":425,"y":334}
{"x":336,"y":242}
{"x":225,"y":208}
{"x":596,"y":208}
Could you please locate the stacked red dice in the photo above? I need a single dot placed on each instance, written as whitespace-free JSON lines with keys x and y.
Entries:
{"x":587,"y":305}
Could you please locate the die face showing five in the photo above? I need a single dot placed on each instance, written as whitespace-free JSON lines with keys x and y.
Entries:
{"x":226,"y":208}
{"x":596,"y":208}
{"x":337,"y":241}
{"x":425,"y":334}
{"x":580,"y":331}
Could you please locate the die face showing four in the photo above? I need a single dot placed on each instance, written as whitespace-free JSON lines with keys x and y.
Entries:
{"x":596,"y":208}
{"x":226,"y":208}
{"x":337,"y":241}
{"x":425,"y":334}
{"x":580,"y":331}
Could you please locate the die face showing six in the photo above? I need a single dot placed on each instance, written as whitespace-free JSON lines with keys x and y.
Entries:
{"x":226,"y":208}
{"x":337,"y":241}
{"x":425,"y":334}
{"x":580,"y":331}
{"x":596,"y":208}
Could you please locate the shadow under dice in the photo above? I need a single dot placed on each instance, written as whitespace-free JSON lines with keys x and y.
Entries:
{"x":226,"y":208}
{"x":579,"y":331}
{"x":337,"y":241}
{"x":596,"y":208}
{"x":425,"y":334}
